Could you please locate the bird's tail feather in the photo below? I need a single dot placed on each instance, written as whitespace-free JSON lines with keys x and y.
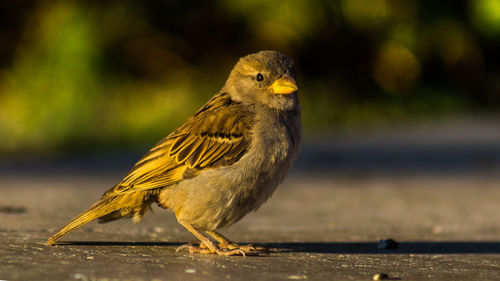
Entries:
{"x":97,"y":210}
{"x":109,"y":208}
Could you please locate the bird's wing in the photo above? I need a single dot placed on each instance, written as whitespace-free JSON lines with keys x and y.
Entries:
{"x":217,"y":135}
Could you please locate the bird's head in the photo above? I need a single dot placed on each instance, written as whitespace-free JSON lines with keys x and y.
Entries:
{"x":265,"y":78}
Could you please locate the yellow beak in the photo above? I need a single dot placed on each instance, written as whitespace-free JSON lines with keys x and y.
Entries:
{"x":284,"y":86}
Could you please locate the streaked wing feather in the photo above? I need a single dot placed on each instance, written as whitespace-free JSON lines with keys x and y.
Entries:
{"x":217,"y":135}
{"x":162,"y":179}
{"x":199,"y":153}
{"x":184,"y":153}
{"x":218,"y":154}
{"x":209,"y":155}
{"x":180,"y":142}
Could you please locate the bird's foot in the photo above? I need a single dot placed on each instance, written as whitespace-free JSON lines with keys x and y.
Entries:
{"x":203,"y":249}
{"x":249,"y":249}
{"x":225,"y":243}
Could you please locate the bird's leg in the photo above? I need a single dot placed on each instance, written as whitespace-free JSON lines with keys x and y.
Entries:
{"x":211,"y":247}
{"x":223,"y":241}
{"x":227,"y":244}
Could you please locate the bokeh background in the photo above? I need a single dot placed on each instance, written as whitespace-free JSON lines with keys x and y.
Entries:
{"x":89,"y":76}
{"x":401,"y":103}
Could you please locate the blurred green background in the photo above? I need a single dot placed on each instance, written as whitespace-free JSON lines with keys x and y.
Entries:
{"x":80,"y":76}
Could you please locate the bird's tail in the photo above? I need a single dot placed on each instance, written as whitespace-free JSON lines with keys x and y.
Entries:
{"x":109,"y":209}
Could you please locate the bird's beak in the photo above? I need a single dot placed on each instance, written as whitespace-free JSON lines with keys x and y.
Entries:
{"x":284,"y":86}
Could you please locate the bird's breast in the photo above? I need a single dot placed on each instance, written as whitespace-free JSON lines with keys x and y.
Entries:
{"x":273,"y":149}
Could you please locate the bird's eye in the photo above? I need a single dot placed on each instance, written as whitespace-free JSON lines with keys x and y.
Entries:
{"x":259,"y":77}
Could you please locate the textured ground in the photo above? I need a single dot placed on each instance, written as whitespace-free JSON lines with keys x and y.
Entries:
{"x":438,"y":198}
{"x":325,"y":228}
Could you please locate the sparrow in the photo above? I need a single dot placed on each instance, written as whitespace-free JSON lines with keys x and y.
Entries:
{"x":222,"y":163}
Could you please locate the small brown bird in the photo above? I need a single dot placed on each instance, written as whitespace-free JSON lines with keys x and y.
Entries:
{"x":224,"y":162}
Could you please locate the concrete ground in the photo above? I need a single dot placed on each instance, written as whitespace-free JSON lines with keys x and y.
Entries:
{"x":437,"y":198}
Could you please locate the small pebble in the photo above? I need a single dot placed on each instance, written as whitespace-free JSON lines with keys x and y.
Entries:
{"x":159,"y":229}
{"x":437,"y":229}
{"x":190,"y":270}
{"x":380,"y":276}
{"x":90,"y":257}
{"x":387,"y":244}
{"x":297,"y":277}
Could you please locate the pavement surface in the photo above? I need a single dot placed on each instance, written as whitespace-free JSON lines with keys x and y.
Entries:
{"x":437,"y":195}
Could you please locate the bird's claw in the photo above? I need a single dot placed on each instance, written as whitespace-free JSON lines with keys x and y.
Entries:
{"x":247,"y":249}
{"x":183,"y":247}
{"x":203,"y":249}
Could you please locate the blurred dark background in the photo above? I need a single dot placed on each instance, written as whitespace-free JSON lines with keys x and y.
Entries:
{"x":89,"y":76}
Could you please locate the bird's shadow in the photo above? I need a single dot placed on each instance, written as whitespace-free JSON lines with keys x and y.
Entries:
{"x":417,"y":247}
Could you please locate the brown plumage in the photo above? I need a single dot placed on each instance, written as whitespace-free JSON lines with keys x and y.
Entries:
{"x":224,"y":162}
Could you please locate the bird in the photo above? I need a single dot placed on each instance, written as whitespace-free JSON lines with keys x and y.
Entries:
{"x":222,"y":163}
